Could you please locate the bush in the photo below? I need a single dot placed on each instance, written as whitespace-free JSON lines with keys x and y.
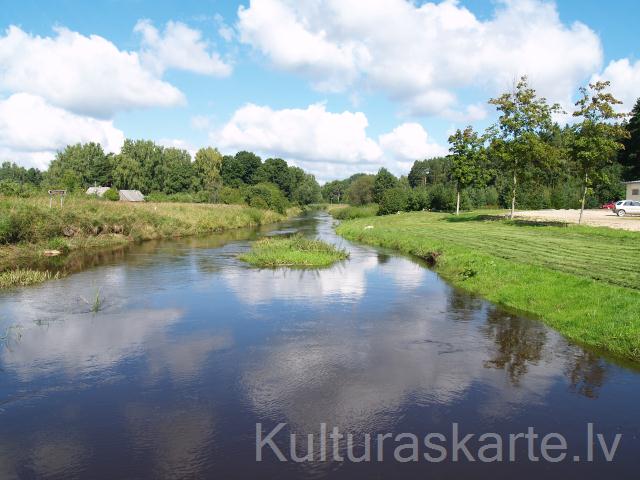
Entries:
{"x":419,"y":199}
{"x":10,"y":188}
{"x":112,"y":195}
{"x":443,"y":198}
{"x":232,"y":196}
{"x":394,"y":200}
{"x":267,"y":195}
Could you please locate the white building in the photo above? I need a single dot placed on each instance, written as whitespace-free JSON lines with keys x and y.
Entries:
{"x":633,"y":190}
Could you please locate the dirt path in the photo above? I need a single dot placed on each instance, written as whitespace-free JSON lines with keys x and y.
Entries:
{"x":600,"y":218}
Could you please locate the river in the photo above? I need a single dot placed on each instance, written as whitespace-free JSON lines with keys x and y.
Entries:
{"x":159,"y":360}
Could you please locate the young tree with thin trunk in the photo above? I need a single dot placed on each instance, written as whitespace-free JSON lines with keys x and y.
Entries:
{"x":518,"y":140}
{"x":468,"y":160}
{"x":598,"y":137}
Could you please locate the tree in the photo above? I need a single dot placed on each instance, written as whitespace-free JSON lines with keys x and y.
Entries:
{"x":232,"y":171}
{"x":127,"y":173}
{"x":335,"y":190}
{"x":276,"y":171}
{"x":307,"y":191}
{"x":419,"y":173}
{"x":360,"y":192}
{"x":598,"y":136}
{"x":518,"y":142}
{"x":85,"y":163}
{"x":384,"y":181}
{"x":630,"y":156}
{"x":145,"y":158}
{"x":468,"y":158}
{"x":176,"y":171}
{"x":206,"y":171}
{"x":249,"y":163}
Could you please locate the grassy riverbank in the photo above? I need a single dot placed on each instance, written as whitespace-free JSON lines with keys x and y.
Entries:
{"x":28,"y":227}
{"x":583,"y":281}
{"x":295,"y":251}
{"x":350,"y":212}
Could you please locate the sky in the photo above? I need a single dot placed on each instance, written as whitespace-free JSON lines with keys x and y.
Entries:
{"x":333,"y":86}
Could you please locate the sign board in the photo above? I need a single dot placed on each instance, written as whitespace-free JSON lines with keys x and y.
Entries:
{"x":62,"y":193}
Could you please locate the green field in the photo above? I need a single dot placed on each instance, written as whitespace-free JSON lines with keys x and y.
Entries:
{"x":583,"y":281}
{"x":294,"y":251}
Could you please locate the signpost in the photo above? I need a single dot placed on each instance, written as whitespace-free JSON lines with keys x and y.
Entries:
{"x":60,"y":193}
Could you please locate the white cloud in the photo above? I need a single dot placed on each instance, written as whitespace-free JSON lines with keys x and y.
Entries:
{"x":31,"y":130}
{"x":625,"y":81}
{"x":179,"y":47}
{"x":87,"y":75}
{"x":409,"y":142}
{"x":419,"y":54}
{"x":329,"y":145}
{"x":310,"y":134}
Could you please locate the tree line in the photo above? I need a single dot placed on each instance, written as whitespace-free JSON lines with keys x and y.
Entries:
{"x":525,"y":159}
{"x":169,"y":174}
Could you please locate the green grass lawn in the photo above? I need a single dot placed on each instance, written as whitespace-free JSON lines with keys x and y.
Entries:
{"x":294,"y":251}
{"x":584,"y":281}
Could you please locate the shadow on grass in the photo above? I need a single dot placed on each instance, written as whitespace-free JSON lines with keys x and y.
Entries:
{"x":518,"y":222}
{"x":473,"y":218}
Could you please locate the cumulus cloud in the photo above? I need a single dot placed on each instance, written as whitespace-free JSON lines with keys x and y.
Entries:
{"x":31,"y":130}
{"x":86,"y":75}
{"x":419,"y":54}
{"x":311,"y":134}
{"x":625,"y":81}
{"x":409,"y":142}
{"x":325,"y":143}
{"x":179,"y":47}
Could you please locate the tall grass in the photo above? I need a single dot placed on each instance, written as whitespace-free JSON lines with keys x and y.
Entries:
{"x":583,"y":281}
{"x":349,"y":212}
{"x":24,"y":277}
{"x":294,"y":251}
{"x":28,"y":226}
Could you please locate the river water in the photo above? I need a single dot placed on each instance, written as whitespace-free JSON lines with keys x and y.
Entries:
{"x":189,"y":349}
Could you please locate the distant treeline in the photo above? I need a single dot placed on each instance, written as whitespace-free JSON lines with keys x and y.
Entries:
{"x":524,"y":157}
{"x":169,"y":174}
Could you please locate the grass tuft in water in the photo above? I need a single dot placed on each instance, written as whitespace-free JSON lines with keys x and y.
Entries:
{"x":294,"y":251}
{"x":24,"y":277}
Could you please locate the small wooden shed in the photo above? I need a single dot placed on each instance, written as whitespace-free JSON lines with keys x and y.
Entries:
{"x":131,"y":196}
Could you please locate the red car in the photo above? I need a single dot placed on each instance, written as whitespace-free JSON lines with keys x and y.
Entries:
{"x":609,"y":205}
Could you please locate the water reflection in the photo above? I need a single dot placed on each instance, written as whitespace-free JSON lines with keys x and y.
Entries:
{"x":519,"y":343}
{"x":190,"y":347}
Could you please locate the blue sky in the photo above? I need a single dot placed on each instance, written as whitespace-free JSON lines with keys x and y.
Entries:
{"x":335,"y":87}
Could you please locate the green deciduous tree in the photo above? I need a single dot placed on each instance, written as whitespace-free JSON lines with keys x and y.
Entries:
{"x":176,"y":171}
{"x":307,"y":191}
{"x":206,"y":171}
{"x":598,"y":135}
{"x":276,"y":171}
{"x":250,"y":164}
{"x":360,"y":192}
{"x":468,"y":161}
{"x":384,"y":181}
{"x":80,"y":166}
{"x":518,"y":137}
